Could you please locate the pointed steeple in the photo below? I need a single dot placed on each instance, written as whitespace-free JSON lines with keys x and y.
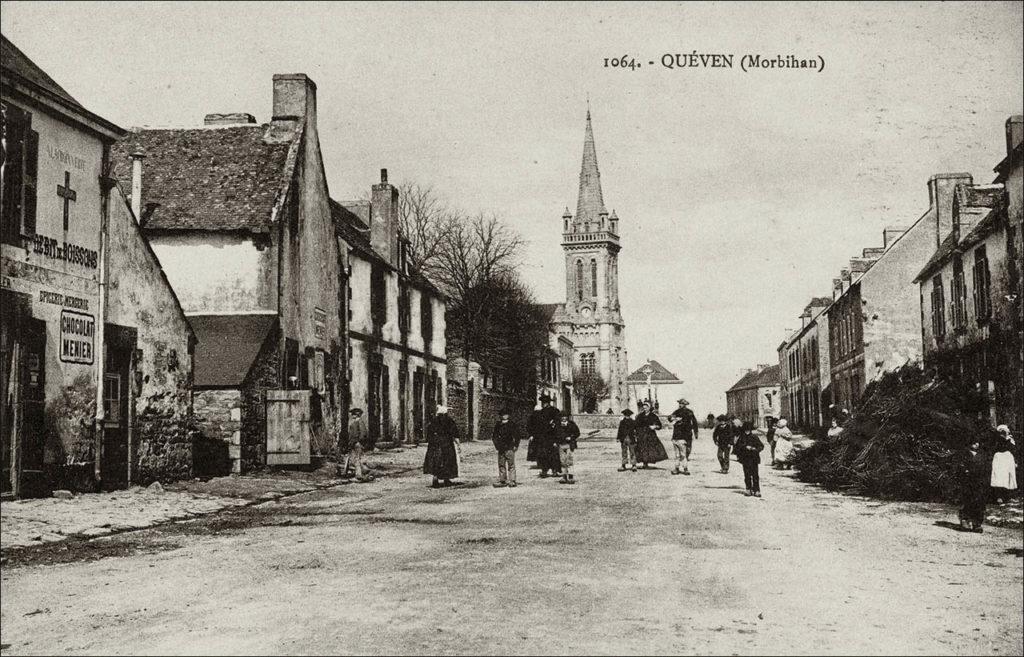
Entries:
{"x":590,"y":205}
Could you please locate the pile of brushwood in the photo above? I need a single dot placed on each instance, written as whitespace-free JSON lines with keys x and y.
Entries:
{"x":904,"y":441}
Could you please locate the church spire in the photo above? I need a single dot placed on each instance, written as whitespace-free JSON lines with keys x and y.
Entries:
{"x":590,"y":205}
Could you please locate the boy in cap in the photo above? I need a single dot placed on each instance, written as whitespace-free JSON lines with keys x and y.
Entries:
{"x":722,"y":437}
{"x":627,"y":439}
{"x":748,"y":452}
{"x":684,"y":432}
{"x":358,"y":436}
{"x":506,"y":439}
{"x":566,"y":434}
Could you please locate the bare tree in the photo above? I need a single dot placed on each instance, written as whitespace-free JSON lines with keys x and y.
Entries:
{"x":426,"y":222}
{"x":590,"y":388}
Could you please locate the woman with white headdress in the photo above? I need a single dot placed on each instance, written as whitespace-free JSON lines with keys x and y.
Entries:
{"x":1004,"y":466}
{"x":783,"y":444}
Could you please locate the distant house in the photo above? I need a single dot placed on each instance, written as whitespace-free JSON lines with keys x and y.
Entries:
{"x":970,"y":289}
{"x":396,"y":321}
{"x":239,"y":214}
{"x":755,"y":397}
{"x":653,"y":382}
{"x":804,"y":371}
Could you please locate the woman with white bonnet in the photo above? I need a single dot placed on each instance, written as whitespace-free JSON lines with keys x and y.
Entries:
{"x":783,"y":444}
{"x":1004,"y":466}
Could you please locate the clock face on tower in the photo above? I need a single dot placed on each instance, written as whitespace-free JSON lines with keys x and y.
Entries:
{"x":586,"y":312}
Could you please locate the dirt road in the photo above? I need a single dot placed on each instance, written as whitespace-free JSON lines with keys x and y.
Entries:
{"x":621,"y":563}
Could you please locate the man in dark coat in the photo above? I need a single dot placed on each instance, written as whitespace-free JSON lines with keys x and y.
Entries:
{"x":566,"y":435}
{"x":723,"y":438}
{"x":541,"y":427}
{"x":441,"y":460}
{"x":974,"y":482}
{"x":748,"y":452}
{"x":506,"y":440}
{"x":684,"y":432}
{"x":627,"y":439}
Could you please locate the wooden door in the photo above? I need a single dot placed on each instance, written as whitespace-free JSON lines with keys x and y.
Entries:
{"x":288,"y":430}
{"x":116,"y":410}
{"x":33,"y":435}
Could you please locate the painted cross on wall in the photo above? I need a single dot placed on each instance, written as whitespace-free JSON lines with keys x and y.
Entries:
{"x":69,"y":195}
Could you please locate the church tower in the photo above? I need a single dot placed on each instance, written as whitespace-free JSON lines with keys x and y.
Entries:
{"x":591,"y":316}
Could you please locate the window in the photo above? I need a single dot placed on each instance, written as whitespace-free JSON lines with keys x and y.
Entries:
{"x":593,"y":278}
{"x":938,"y":308}
{"x":579,"y":280}
{"x":982,"y":300}
{"x":378,"y":298}
{"x":958,"y":290}
{"x":21,"y":158}
{"x":404,"y":308}
{"x":426,"y":320}
{"x":588,"y":363}
{"x":1011,"y":259}
{"x":112,"y":399}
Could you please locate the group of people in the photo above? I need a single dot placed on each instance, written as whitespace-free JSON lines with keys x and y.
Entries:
{"x":983,"y":476}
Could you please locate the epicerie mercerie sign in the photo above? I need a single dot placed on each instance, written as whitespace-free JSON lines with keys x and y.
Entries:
{"x":77,"y":333}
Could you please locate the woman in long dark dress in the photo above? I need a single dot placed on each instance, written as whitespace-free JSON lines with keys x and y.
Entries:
{"x":648,"y":447}
{"x":441,"y":460}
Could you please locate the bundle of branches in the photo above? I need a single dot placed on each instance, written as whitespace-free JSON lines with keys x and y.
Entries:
{"x":904,"y":440}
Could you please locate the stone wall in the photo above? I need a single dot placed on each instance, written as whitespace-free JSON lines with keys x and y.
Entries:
{"x":219,"y":420}
{"x":262,"y":376}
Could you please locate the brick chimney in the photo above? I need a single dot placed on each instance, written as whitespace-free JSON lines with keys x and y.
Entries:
{"x":1014,"y":132}
{"x":294,"y":98}
{"x":233,"y":118}
{"x":837,"y":288}
{"x":384,"y":219}
{"x":941,"y":191}
{"x":890,"y":235}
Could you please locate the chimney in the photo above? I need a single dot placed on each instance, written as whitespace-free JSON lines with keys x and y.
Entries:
{"x":294,"y":98}
{"x":137,"y":156}
{"x":873,"y":252}
{"x":859,"y":265}
{"x":1014,"y":129}
{"x":837,"y":288}
{"x":890,"y":235}
{"x":384,"y":219}
{"x":762,"y":366}
{"x":233,"y":118}
{"x":941,"y":190}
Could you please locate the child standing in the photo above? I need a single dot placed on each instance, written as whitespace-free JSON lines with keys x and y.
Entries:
{"x":506,"y":440}
{"x":1004,"y":466}
{"x":566,"y":434}
{"x":748,"y":452}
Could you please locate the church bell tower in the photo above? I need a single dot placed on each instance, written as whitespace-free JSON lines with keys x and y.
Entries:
{"x":591,"y":315}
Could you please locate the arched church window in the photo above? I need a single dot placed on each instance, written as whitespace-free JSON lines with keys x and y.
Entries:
{"x":579,"y":279}
{"x":593,"y":278}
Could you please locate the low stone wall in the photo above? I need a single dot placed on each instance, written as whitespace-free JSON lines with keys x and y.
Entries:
{"x":596,"y":421}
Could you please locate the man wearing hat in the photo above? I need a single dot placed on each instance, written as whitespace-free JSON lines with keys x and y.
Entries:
{"x":506,"y":441}
{"x":627,"y":438}
{"x":684,"y":432}
{"x":541,"y":427}
{"x":723,"y":437}
{"x":566,"y":434}
{"x":358,"y":437}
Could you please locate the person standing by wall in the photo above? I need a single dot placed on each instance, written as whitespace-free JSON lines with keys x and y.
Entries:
{"x":506,"y":440}
{"x":441,"y":459}
{"x":627,"y":440}
{"x":748,"y":452}
{"x":353,"y":448}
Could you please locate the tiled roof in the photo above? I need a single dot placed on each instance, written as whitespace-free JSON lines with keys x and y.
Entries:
{"x":216,"y":179}
{"x":659,"y":373}
{"x":227,"y":346}
{"x":769,"y":376}
{"x":20,"y":65}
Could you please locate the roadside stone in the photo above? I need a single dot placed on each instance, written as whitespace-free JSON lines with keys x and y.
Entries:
{"x":156,"y":487}
{"x":63,"y":495}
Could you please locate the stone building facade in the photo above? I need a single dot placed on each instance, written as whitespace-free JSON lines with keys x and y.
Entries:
{"x":95,"y":353}
{"x":970,"y":289}
{"x":755,"y":396}
{"x":591,"y":315}
{"x":875,"y":319}
{"x":803,"y":380}
{"x":239,"y":215}
{"x":397,"y":366}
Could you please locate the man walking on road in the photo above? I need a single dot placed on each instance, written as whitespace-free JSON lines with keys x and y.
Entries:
{"x":748,"y":453}
{"x":541,"y":427}
{"x":722,"y":437}
{"x":627,"y":439}
{"x":684,"y":432}
{"x":506,"y":440}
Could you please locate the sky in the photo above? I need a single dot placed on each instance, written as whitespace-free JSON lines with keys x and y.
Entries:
{"x":740,"y":194}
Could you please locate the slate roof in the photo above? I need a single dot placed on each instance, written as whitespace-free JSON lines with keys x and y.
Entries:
{"x":660,"y":373}
{"x":215,"y":179}
{"x":940,"y":256}
{"x":19,"y":64}
{"x":769,"y":376}
{"x":227,"y":346}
